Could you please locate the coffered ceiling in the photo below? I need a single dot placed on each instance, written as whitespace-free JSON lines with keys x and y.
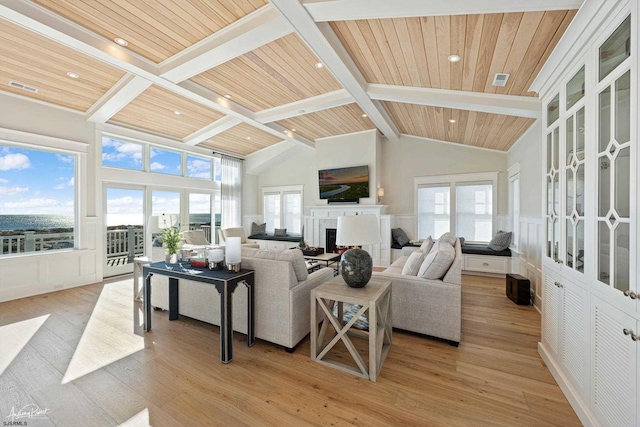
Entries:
{"x":238,"y":76}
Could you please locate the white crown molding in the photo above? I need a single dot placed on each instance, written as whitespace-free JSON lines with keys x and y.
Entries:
{"x":456,"y":144}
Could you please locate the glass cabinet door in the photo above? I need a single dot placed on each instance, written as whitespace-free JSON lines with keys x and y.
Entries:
{"x":553,"y":217}
{"x":613,"y":159}
{"x":574,"y":193}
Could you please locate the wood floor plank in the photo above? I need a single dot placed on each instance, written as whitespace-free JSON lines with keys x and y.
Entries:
{"x":173,"y":375}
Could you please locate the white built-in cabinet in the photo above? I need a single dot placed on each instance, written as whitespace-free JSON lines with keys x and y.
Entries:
{"x":591,"y":309}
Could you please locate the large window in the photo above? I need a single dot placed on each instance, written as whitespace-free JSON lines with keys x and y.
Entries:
{"x":37,"y":200}
{"x":165,"y":161}
{"x":463,"y":204}
{"x":121,"y":154}
{"x":282,"y":208}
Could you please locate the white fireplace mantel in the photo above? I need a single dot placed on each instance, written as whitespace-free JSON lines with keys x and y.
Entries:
{"x":323,"y":217}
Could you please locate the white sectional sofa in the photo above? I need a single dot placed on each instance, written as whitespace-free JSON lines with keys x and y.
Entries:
{"x":425,"y":306}
{"x":282,"y":296}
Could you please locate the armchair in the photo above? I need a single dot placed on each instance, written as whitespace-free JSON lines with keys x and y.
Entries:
{"x":236,"y":232}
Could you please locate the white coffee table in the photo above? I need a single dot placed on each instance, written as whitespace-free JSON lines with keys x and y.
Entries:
{"x":375,"y":300}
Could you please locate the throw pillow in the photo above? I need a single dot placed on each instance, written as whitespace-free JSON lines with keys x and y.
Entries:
{"x":448,"y":237}
{"x":427,"y":245}
{"x":258,"y":229}
{"x":461,"y":240}
{"x":195,"y":237}
{"x":438,"y":261}
{"x":412,"y":266}
{"x":280,"y":232}
{"x":501,"y":241}
{"x":400,"y":236}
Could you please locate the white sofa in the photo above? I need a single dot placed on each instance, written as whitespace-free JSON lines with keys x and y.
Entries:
{"x":282,"y":302}
{"x":430,"y":307}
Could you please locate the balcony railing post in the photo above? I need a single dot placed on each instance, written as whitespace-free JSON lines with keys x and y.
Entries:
{"x":131,"y":243}
{"x":29,"y":241}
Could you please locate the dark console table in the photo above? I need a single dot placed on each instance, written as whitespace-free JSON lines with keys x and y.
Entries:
{"x":225,"y":282}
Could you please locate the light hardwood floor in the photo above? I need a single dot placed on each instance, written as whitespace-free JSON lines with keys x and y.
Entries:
{"x":75,"y":353}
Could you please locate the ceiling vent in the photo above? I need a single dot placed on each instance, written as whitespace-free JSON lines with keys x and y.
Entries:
{"x":22,"y":86}
{"x":500,"y":79}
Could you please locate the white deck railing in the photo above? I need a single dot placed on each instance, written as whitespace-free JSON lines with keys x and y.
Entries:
{"x":122,"y":244}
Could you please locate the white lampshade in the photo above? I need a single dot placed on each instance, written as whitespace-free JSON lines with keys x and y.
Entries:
{"x":233,"y":248}
{"x":215,"y":255}
{"x":380,"y":192}
{"x":358,"y":230}
{"x":154,"y":224}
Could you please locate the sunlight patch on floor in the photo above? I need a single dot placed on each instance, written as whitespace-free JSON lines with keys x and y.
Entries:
{"x":15,"y":336}
{"x":141,"y":419}
{"x":109,"y":334}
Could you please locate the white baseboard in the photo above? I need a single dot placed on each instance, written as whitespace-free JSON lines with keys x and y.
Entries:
{"x":577,"y":403}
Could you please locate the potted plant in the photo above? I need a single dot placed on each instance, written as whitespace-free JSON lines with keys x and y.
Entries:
{"x":170,"y":241}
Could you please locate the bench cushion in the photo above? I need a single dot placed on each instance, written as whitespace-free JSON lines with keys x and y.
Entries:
{"x":484,"y":250}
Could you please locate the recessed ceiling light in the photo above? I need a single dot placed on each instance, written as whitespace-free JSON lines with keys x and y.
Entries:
{"x":121,"y":41}
{"x":453,"y":58}
{"x":73,"y":75}
{"x":176,"y":112}
{"x":293,"y":130}
{"x":452,"y":120}
{"x":227,"y":96}
{"x":249,"y":138}
{"x":364,"y":115}
{"x":319,"y":65}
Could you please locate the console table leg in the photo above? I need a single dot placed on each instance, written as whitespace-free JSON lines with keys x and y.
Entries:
{"x":173,"y":299}
{"x":147,"y":303}
{"x":226,"y":332}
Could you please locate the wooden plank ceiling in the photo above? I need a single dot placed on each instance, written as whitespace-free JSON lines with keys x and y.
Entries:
{"x":38,"y":62}
{"x":495,"y":131}
{"x":408,"y":52}
{"x":154,"y":29}
{"x":241,"y":139}
{"x":277,"y":73}
{"x":334,"y":121}
{"x":414,"y":51}
{"x":155,"y":110}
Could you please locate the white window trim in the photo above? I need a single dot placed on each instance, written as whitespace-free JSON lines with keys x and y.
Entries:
{"x":282,"y":190}
{"x":452,"y":181}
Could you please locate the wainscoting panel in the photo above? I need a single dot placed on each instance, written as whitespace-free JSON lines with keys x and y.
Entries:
{"x":527,"y":257}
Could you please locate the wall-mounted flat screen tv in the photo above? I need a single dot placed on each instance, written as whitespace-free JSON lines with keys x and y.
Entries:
{"x":344,"y":183}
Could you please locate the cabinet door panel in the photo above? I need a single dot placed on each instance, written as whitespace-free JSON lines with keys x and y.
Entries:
{"x":551,"y":319}
{"x":614,"y":366}
{"x":574,"y":332}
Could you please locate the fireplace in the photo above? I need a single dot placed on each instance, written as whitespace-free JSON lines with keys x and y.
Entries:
{"x":330,"y":239}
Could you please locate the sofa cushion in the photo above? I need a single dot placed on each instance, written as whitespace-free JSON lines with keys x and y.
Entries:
{"x":500,"y":241}
{"x":400,"y":236}
{"x":258,"y":229}
{"x":426,"y":245}
{"x":448,"y":237}
{"x":437,"y":262}
{"x":292,"y":256}
{"x":280,"y":232}
{"x":412,"y":266}
{"x":195,"y":237}
{"x":235,"y":232}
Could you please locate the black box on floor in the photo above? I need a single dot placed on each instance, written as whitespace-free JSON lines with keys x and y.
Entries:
{"x":518,"y":289}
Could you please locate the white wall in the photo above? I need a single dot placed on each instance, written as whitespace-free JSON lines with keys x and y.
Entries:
{"x":527,"y":152}
{"x":411,"y":157}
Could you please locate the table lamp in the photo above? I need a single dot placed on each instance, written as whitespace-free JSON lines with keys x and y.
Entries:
{"x":233,"y":253}
{"x":356,"y":264}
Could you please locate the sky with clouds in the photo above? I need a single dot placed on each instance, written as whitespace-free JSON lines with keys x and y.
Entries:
{"x":36,"y":182}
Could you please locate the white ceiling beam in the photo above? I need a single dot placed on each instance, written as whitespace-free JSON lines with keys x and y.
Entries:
{"x":65,"y":32}
{"x":322,"y":40}
{"x":211,"y":130}
{"x":248,"y":33}
{"x":346,"y":10}
{"x":511,"y":105}
{"x":305,"y":106}
{"x":116,"y":98}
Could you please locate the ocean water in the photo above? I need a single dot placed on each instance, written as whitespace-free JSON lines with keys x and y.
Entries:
{"x":42,"y":222}
{"x":35,"y":222}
